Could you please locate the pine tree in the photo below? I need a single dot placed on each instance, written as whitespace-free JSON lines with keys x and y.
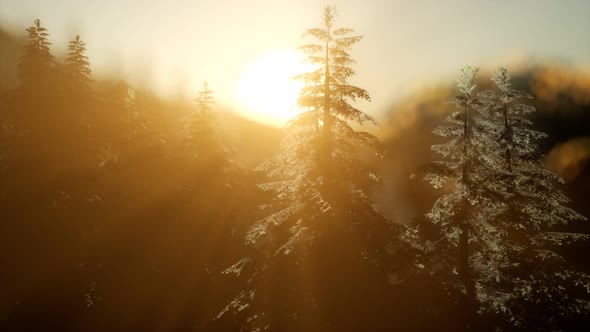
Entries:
{"x":496,"y":219}
{"x":203,"y":139}
{"x":327,"y":93}
{"x":199,"y":125}
{"x":456,"y":212}
{"x":519,"y":268}
{"x":205,"y":99}
{"x":36,"y":64}
{"x":77,"y":65}
{"x":318,"y":165}
{"x":317,"y":184}
{"x":461,"y":213}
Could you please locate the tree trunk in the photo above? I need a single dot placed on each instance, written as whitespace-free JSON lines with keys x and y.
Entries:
{"x":464,"y":269}
{"x":325,"y":157}
{"x":463,"y":250}
{"x":508,"y":156}
{"x":327,"y":120}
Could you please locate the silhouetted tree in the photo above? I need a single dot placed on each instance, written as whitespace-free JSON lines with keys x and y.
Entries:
{"x":318,"y":171}
{"x":199,"y":125}
{"x":327,"y":93}
{"x":203,"y":138}
{"x":205,"y":98}
{"x":77,"y":65}
{"x":37,"y":63}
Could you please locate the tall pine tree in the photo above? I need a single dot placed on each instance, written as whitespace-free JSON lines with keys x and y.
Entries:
{"x":318,"y":171}
{"x":520,"y":269}
{"x":77,"y":65}
{"x":36,"y":65}
{"x":460,"y":213}
{"x":495,"y":219}
{"x":455,"y":211}
{"x":319,"y":212}
{"x":207,"y":147}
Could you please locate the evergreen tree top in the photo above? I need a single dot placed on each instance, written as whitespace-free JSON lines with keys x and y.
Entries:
{"x":466,"y":82}
{"x":205,"y":97}
{"x":36,"y":63}
{"x":326,"y":86}
{"x":502,"y":79}
{"x":77,"y":64}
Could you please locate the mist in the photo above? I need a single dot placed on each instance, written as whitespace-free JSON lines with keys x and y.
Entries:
{"x":134,"y":202}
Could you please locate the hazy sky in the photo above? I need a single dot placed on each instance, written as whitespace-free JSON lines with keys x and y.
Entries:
{"x":179,"y":43}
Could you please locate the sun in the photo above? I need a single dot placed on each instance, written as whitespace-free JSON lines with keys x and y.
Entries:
{"x":265,"y":91}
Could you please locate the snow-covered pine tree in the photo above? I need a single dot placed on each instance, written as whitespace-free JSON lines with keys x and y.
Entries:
{"x":457,"y":212}
{"x":499,"y":217}
{"x":77,"y":65}
{"x":519,"y":269}
{"x":319,"y":205}
{"x":37,"y":63}
{"x":462,"y":213}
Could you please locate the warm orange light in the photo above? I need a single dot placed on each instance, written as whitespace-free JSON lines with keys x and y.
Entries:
{"x":265,"y":90}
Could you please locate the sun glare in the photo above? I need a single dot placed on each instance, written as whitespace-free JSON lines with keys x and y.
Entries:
{"x":265,"y":91}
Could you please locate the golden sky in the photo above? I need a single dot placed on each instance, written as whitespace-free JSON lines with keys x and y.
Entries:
{"x":177,"y":44}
